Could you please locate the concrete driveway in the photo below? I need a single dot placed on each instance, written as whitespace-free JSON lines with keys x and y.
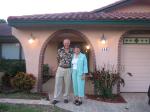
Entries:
{"x":136,"y":102}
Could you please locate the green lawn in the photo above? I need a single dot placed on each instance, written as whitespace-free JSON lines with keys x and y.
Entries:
{"x":28,"y":108}
{"x":22,"y":95}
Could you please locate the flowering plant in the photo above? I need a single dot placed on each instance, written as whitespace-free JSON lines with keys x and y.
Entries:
{"x":104,"y":80}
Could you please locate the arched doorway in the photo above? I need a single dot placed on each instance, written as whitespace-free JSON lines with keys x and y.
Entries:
{"x":51,"y":45}
{"x":134,"y":56}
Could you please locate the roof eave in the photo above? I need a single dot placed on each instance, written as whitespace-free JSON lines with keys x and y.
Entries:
{"x":19,"y":23}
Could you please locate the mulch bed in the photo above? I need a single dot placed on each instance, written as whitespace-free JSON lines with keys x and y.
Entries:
{"x":115,"y":99}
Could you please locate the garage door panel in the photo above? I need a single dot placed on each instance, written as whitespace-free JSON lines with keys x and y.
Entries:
{"x":135,"y":56}
{"x":137,"y":79}
{"x":137,"y":70}
{"x":137,"y":65}
{"x":136,"y":88}
{"x":136,"y":85}
{"x":136,"y":59}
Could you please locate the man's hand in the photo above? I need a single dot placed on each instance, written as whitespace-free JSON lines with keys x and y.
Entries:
{"x":54,"y":69}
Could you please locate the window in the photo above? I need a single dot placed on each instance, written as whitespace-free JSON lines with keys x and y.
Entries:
{"x":10,"y":51}
{"x":22,"y":54}
{"x":136,"y":40}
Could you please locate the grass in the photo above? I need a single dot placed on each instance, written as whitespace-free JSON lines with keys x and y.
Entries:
{"x":28,"y":108}
{"x":17,"y":108}
{"x":23,"y":95}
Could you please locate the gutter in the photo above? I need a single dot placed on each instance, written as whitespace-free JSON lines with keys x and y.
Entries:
{"x":17,"y":23}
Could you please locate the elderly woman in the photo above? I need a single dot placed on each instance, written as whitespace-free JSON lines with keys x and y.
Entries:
{"x":79,"y":70}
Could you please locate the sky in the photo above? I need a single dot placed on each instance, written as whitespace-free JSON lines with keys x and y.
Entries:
{"x":29,"y":7}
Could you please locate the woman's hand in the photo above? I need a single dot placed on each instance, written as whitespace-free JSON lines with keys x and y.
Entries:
{"x":83,"y":77}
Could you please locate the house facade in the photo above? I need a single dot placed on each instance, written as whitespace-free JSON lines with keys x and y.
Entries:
{"x":124,"y":26}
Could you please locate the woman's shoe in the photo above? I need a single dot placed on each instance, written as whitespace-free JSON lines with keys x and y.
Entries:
{"x":79,"y":103}
{"x":75,"y":102}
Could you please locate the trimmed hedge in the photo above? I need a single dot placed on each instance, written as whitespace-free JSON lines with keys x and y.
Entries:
{"x":2,"y":21}
{"x":12,"y":67}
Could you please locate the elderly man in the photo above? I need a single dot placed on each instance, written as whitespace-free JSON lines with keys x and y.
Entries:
{"x":63,"y":72}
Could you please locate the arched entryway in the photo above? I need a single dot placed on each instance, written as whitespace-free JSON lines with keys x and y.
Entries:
{"x":51,"y":45}
{"x":134,"y":56}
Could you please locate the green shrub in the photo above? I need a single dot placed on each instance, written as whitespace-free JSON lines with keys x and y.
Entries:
{"x":23,"y":81}
{"x":2,"y":21}
{"x":6,"y":80}
{"x":11,"y":67}
{"x":46,"y":73}
{"x":45,"y":69}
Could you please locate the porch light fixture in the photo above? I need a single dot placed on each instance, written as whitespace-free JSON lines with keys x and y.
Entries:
{"x":87,"y":47}
{"x":31,"y":39}
{"x":103,"y":39}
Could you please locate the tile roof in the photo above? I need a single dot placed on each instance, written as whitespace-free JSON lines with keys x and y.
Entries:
{"x":120,"y":4}
{"x":113,"y":5}
{"x":128,"y":16}
{"x":83,"y":16}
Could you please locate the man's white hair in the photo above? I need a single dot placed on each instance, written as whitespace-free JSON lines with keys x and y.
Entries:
{"x":66,"y":39}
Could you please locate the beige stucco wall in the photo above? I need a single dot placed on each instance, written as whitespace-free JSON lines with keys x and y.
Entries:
{"x":50,"y":56}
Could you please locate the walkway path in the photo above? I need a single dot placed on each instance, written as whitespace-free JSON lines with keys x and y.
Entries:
{"x":136,"y":102}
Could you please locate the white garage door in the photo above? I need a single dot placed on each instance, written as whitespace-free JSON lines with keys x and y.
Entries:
{"x":136,"y":59}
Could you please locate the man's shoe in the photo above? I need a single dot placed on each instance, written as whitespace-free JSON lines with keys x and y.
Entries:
{"x":54,"y":102}
{"x":66,"y":101}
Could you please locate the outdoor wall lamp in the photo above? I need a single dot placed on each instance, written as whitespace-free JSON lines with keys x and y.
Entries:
{"x":31,"y":39}
{"x":87,"y":47}
{"x":103,"y":39}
